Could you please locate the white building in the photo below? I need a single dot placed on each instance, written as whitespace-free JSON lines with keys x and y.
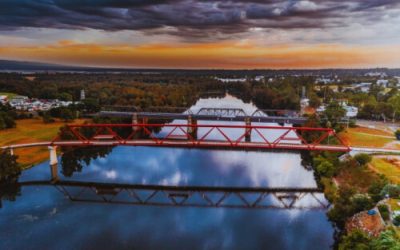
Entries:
{"x":382,"y":83}
{"x":351,"y":111}
{"x":3,"y":99}
{"x":323,"y":80}
{"x":231,"y":79}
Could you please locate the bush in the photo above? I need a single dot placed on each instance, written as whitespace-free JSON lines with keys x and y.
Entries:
{"x":361,"y":202}
{"x":384,"y":210}
{"x":392,"y":190}
{"x":363,"y":159}
{"x":396,"y":221}
{"x":326,"y":169}
{"x":355,"y":240}
{"x":47,"y":118}
{"x":8,"y":166}
{"x":397,"y":134}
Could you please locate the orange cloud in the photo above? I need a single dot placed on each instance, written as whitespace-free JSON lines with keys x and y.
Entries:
{"x":229,"y":55}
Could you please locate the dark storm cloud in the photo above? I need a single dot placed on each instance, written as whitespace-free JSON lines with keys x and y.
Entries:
{"x":186,"y":17}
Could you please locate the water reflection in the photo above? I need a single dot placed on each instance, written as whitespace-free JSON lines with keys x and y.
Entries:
{"x":43,"y":219}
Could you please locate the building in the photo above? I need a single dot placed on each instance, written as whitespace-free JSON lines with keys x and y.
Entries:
{"x":351,"y":111}
{"x":83,"y":95}
{"x":3,"y":99}
{"x":225,"y":80}
{"x":382,"y":83}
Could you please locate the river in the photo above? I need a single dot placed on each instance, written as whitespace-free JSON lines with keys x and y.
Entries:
{"x":42,"y":218}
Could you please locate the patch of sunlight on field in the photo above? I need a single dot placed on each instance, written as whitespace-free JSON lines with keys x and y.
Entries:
{"x":390,"y":170}
{"x":31,"y":130}
{"x":366,"y":137}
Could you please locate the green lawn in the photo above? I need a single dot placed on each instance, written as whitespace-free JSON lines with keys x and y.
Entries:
{"x":365,"y":137}
{"x":31,"y":130}
{"x":9,"y":95}
{"x":391,"y":171}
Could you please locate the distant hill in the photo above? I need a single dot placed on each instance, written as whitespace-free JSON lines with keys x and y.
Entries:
{"x":28,"y":67}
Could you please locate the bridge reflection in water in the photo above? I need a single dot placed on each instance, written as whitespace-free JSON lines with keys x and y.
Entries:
{"x":188,"y":196}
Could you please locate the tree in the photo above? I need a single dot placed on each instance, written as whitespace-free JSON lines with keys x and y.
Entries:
{"x":396,"y":220}
{"x":363,"y":159}
{"x":355,"y":240}
{"x":388,"y":240}
{"x":326,"y":169}
{"x":8,"y":166}
{"x":333,"y":114}
{"x":395,"y":102}
{"x":361,"y":202}
{"x":391,"y":190}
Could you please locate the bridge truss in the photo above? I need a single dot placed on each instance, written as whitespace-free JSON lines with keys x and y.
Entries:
{"x":189,"y":196}
{"x":198,"y":136}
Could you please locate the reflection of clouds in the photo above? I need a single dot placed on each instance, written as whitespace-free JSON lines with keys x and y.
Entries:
{"x":111,"y":174}
{"x":274,"y":169}
{"x":177,"y":178}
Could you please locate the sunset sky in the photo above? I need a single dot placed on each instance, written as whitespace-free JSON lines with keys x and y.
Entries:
{"x":202,"y":34}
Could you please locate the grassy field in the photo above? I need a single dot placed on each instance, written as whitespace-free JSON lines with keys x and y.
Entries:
{"x":31,"y":130}
{"x":390,"y":170}
{"x":9,"y":95}
{"x":366,"y":137}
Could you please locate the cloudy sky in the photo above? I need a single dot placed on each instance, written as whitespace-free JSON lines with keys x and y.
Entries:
{"x":203,"y":33}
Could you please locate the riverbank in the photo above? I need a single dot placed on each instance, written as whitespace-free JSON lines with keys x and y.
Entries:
{"x":32,"y":130}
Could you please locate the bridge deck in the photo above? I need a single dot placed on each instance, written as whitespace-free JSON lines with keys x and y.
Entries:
{"x":186,"y":144}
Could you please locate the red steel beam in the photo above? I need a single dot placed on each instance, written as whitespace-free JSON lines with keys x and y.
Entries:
{"x":185,"y":139}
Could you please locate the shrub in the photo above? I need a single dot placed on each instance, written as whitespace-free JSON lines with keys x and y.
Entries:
{"x":384,"y":210}
{"x":363,"y":159}
{"x":361,"y":202}
{"x":326,"y":169}
{"x":47,"y":118}
{"x":396,"y":220}
{"x":397,"y":134}
{"x":391,"y":190}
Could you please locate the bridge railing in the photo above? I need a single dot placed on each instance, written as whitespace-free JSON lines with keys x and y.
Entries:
{"x":196,"y":135}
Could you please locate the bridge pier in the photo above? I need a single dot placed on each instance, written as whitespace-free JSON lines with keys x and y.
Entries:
{"x":53,"y":163}
{"x":135,"y":121}
{"x":11,"y":151}
{"x":192,"y":131}
{"x":247,"y":121}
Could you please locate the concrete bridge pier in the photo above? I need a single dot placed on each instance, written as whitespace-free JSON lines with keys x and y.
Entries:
{"x":247,"y":122}
{"x":135,"y":121}
{"x":11,"y":151}
{"x":192,"y":131}
{"x":53,"y":163}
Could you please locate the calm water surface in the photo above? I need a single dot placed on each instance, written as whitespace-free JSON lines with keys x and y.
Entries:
{"x":42,"y":218}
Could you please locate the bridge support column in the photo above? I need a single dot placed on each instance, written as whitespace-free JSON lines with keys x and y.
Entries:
{"x":247,"y":121}
{"x":53,"y":163}
{"x":11,"y":151}
{"x":192,"y":130}
{"x":135,"y":122}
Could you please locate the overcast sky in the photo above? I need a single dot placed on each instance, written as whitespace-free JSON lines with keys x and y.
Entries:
{"x":202,"y":34}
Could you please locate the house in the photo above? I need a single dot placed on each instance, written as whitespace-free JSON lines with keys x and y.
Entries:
{"x":323,"y":80}
{"x":351,"y":111}
{"x":382,"y":83}
{"x":3,"y":99}
{"x":376,"y":73}
{"x":363,"y":87}
{"x":226,"y":80}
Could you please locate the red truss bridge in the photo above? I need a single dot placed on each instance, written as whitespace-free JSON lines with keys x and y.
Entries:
{"x":200,"y":136}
